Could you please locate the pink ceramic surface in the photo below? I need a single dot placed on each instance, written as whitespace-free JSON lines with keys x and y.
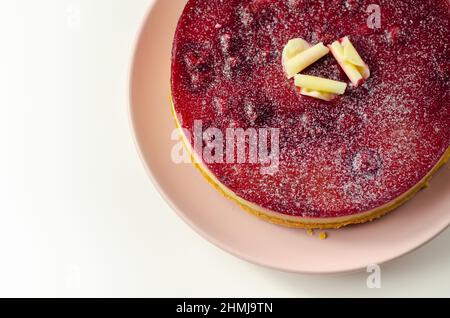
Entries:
{"x":225,"y":224}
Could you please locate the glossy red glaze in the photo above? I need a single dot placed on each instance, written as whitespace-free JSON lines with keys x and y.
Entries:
{"x":338,"y":158}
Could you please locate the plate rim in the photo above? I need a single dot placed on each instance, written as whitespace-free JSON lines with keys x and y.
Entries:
{"x":199,"y":230}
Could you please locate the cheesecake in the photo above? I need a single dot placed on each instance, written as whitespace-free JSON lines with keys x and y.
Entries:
{"x":314,"y":114}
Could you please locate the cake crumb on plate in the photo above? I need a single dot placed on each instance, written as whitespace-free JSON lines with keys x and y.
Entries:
{"x":323,"y":236}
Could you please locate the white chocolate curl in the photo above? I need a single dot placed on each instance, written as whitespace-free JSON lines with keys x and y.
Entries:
{"x":318,"y":95}
{"x":350,"y":61}
{"x":320,"y":84}
{"x":294,"y":47}
{"x":299,"y":62}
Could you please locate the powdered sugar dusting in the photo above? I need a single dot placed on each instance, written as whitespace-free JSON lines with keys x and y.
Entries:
{"x":348,"y":156}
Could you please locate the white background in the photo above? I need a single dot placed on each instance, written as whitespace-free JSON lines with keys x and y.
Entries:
{"x":78,"y":214}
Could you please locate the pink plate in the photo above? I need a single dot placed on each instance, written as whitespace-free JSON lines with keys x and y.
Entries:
{"x":226,"y":225}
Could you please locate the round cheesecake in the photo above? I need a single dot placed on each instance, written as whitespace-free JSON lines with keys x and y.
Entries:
{"x":325,"y":164}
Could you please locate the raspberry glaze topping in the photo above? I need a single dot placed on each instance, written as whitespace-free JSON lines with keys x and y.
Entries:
{"x":337,"y":158}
